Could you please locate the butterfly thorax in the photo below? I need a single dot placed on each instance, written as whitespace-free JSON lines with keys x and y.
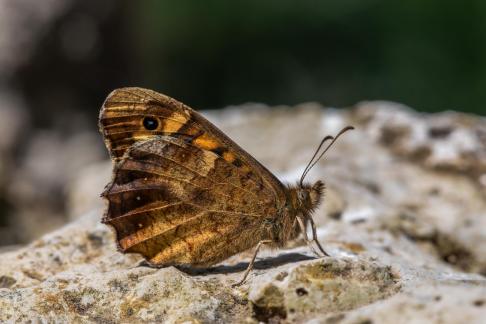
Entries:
{"x":302,"y":200}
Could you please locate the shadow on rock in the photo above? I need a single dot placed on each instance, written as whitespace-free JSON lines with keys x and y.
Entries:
{"x":267,"y":263}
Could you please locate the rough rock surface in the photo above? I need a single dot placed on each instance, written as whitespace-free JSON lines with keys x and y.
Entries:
{"x":404,"y":219}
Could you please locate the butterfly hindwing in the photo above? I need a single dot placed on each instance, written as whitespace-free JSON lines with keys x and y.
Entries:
{"x":176,"y":203}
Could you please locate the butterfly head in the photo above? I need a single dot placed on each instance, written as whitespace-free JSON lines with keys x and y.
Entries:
{"x":309,"y":196}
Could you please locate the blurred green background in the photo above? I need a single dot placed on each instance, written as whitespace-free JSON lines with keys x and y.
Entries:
{"x":430,"y":55}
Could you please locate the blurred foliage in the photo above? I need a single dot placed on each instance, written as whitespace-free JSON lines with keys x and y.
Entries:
{"x":430,"y":55}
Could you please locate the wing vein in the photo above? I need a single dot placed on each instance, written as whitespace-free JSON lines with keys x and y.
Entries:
{"x":201,"y":175}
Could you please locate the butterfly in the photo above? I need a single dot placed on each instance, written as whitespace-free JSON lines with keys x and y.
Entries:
{"x":183,"y":193}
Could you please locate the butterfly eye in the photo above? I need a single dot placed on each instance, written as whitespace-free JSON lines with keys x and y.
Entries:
{"x":150,"y":123}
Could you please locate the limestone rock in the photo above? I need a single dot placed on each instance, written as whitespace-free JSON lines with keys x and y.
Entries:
{"x":403,"y":219}
{"x":51,"y":162}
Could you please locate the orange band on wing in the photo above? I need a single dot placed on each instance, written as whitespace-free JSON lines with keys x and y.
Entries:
{"x":206,"y":142}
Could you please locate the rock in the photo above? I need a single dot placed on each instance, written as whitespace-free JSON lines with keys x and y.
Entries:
{"x":449,"y":141}
{"x":405,"y":230}
{"x":83,"y":190}
{"x":14,"y":124}
{"x":444,"y":303}
{"x":51,"y":162}
{"x":13,"y":120}
{"x":323,"y":286}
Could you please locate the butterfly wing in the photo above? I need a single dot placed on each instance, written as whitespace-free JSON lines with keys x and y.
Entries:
{"x":122,"y":124}
{"x":175,"y":203}
{"x":183,"y":193}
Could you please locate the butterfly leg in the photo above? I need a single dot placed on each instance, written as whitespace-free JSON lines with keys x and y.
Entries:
{"x":306,"y":238}
{"x":314,"y":237}
{"x":250,"y":266}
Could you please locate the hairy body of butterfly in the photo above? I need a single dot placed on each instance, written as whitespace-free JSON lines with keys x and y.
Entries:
{"x":183,"y":193}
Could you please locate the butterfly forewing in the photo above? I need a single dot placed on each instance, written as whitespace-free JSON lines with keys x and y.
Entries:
{"x":182,"y":193}
{"x":121,"y":123}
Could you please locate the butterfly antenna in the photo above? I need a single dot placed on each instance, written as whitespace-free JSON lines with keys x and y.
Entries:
{"x":325,"y":139}
{"x":333,"y":140}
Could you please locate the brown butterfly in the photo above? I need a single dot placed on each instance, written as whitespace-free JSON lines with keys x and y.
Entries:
{"x":183,"y":193}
